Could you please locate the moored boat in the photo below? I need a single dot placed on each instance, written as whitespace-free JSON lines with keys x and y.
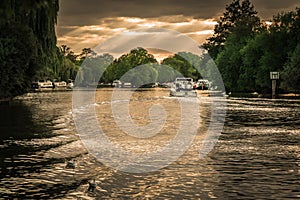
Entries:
{"x":62,"y":85}
{"x":49,"y":85}
{"x":42,"y":85}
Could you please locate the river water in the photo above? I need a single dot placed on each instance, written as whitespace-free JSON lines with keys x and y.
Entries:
{"x":257,"y":156}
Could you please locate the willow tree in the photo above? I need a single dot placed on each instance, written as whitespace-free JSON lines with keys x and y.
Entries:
{"x":27,"y":43}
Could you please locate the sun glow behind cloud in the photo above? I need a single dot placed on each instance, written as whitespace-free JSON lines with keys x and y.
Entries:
{"x":79,"y":37}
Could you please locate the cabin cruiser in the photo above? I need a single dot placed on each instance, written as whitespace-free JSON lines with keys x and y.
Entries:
{"x":42,"y":85}
{"x":183,"y":87}
{"x":62,"y":85}
{"x":48,"y":85}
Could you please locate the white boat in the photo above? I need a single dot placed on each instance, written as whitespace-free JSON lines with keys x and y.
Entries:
{"x":126,"y":85}
{"x":49,"y":85}
{"x":117,"y":83}
{"x":70,"y":85}
{"x":42,"y":85}
{"x":62,"y":85}
{"x":183,"y":87}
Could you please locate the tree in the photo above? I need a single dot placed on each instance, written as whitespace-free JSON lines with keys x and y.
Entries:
{"x":291,"y":71}
{"x":92,"y":69}
{"x":165,"y":73}
{"x":119,"y":67}
{"x":251,"y":68}
{"x":27,"y":43}
{"x":268,"y":51}
{"x":141,"y":75}
{"x":17,"y":54}
{"x":238,"y":14}
{"x":238,"y":26}
{"x":183,"y":63}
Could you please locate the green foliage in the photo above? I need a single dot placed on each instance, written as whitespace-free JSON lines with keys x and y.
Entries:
{"x":239,"y":16}
{"x":185,"y":64}
{"x":246,"y":51}
{"x":126,"y":62}
{"x":291,"y":72}
{"x":19,"y":58}
{"x":141,"y":75}
{"x":27,"y":43}
{"x":138,"y":67}
{"x":166,"y":73}
{"x":92,"y":69}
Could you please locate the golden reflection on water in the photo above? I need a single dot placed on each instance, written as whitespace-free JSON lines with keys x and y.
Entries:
{"x":257,"y":155}
{"x":139,"y":106}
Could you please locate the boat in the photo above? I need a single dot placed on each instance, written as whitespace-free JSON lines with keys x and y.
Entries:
{"x":117,"y":83}
{"x":48,"y":85}
{"x":42,"y":85}
{"x":126,"y":85}
{"x":183,"y":87}
{"x":62,"y":85}
{"x":70,"y":86}
{"x":202,"y":84}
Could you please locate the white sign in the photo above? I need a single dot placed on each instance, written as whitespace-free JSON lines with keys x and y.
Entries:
{"x":274,"y":75}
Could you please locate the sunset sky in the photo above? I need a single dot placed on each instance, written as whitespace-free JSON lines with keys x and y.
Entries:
{"x":87,"y":23}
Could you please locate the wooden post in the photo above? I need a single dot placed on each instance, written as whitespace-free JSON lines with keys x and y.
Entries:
{"x":274,"y":89}
{"x":274,"y":76}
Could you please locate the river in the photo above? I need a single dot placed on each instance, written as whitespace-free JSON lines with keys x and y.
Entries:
{"x":257,"y":155}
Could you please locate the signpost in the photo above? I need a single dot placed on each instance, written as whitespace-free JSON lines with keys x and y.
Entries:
{"x":274,"y":76}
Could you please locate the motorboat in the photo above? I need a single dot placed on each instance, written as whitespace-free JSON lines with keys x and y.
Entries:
{"x":62,"y":85}
{"x":49,"y":85}
{"x":42,"y":85}
{"x":183,"y":87}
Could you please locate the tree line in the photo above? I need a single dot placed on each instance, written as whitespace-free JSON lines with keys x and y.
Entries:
{"x":137,"y":67}
{"x":246,"y":49}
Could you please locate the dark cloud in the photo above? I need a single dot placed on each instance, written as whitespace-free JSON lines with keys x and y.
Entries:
{"x":89,"y":12}
{"x":267,"y":9}
{"x":275,"y":4}
{"x":85,"y":23}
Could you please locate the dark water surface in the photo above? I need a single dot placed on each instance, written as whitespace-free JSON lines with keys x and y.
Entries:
{"x":256,"y":157}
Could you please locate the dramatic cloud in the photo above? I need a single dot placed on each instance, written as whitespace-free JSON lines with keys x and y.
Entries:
{"x":87,"y":23}
{"x":79,"y":37}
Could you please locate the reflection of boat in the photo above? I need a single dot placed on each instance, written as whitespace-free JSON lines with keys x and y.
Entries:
{"x":183,"y":87}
